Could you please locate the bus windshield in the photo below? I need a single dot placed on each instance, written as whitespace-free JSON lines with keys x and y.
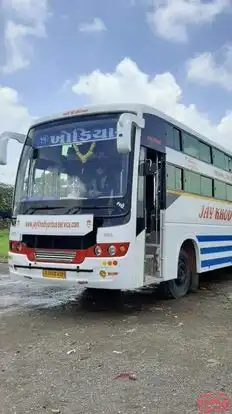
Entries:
{"x":73,"y":159}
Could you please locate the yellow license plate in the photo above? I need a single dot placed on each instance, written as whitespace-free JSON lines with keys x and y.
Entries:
{"x":54,"y":274}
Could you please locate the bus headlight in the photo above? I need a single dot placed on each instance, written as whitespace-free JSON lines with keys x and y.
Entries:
{"x":112,"y":250}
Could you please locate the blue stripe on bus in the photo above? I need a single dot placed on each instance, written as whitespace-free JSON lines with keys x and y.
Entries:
{"x":215,"y":237}
{"x":215,"y":249}
{"x":215,"y":262}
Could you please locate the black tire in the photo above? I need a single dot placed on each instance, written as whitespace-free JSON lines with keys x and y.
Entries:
{"x":194,"y":285}
{"x":179,"y":287}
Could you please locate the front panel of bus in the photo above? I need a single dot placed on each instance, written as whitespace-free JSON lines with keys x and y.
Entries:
{"x":73,"y":206}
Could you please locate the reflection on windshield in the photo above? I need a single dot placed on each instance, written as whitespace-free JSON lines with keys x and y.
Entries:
{"x":58,"y":172}
{"x":60,"y":168}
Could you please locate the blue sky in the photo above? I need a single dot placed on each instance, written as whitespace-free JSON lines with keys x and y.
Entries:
{"x":173,"y":54}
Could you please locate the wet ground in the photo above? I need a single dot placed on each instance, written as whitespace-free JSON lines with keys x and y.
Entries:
{"x":14,"y":295}
{"x":61,"y":353}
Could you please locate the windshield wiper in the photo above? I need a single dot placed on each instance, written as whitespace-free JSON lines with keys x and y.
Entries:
{"x":75,"y":210}
{"x":44,"y":207}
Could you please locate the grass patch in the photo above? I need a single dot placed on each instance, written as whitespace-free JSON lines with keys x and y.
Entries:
{"x":4,"y":240}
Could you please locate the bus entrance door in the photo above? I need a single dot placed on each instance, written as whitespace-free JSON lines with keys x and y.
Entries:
{"x":153,"y":199}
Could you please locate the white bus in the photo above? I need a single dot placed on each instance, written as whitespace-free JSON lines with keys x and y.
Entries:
{"x":120,"y":197}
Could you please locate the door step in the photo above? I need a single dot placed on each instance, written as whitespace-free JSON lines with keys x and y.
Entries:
{"x":151,"y":248}
{"x":153,"y":237}
{"x":152,"y":253}
{"x":149,"y":256}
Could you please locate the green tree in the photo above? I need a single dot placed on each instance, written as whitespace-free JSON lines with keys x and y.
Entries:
{"x":6,"y":196}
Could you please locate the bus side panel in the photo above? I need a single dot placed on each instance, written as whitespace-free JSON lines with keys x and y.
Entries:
{"x":204,"y":221}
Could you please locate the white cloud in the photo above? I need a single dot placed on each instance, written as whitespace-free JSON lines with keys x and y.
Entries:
{"x":205,"y":70}
{"x":128,"y":84}
{"x":17,"y":47}
{"x":32,"y":12}
{"x":97,"y":25}
{"x":31,"y":17}
{"x":14,"y":116}
{"x":171,"y":19}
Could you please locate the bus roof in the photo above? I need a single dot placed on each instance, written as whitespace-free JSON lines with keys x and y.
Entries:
{"x":141,"y":108}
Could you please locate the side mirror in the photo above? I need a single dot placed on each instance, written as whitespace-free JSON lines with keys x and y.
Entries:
{"x":4,"y":139}
{"x":124,"y":127}
{"x":35,"y":153}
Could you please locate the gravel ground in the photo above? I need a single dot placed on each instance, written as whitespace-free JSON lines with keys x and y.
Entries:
{"x":58,"y":355}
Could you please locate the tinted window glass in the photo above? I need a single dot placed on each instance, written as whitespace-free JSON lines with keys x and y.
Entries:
{"x":173,"y":137}
{"x":170,"y":174}
{"x":206,"y":186}
{"x":219,"y":190}
{"x":192,"y":182}
{"x":177,"y":139}
{"x":169,"y":136}
{"x":219,"y":159}
{"x":229,"y":192}
{"x":229,"y":164}
{"x":178,"y":179}
{"x":190,"y":145}
{"x":226,"y":166}
{"x":204,"y":152}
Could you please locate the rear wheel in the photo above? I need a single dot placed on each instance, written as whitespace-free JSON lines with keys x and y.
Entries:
{"x":179,"y":287}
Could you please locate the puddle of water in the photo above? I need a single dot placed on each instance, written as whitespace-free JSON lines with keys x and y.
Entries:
{"x":15,"y":294}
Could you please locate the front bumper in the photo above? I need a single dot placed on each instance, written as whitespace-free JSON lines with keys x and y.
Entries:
{"x":93,"y":272}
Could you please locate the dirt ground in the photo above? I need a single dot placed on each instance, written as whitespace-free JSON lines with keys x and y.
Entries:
{"x":58,"y":355}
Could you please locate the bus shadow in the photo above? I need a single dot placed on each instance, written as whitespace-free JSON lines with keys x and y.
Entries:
{"x":216,"y":277}
{"x":151,"y":296}
{"x":116,"y":303}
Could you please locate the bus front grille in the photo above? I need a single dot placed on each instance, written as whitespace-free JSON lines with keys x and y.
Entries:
{"x":54,"y":256}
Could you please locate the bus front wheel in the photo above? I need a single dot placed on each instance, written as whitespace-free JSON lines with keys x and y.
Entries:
{"x":179,"y":287}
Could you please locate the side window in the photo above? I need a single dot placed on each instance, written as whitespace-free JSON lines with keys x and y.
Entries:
{"x":177,"y":139}
{"x":23,"y":179}
{"x":192,"y":182}
{"x":26,"y":179}
{"x":230,"y":164}
{"x":204,"y":152}
{"x":170,"y":177}
{"x":169,"y":135}
{"x":227,"y":163}
{"x":219,"y":159}
{"x":141,"y":185}
{"x":229,"y":192}
{"x":206,"y":186}
{"x":219,"y":190}
{"x":173,"y":137}
{"x":190,"y":145}
{"x":178,"y":179}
